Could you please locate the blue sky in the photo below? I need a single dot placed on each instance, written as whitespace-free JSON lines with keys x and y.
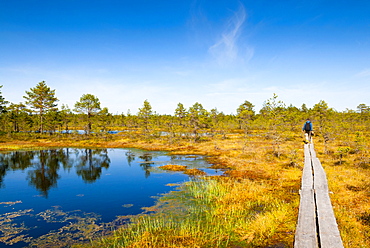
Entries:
{"x":217,"y":53}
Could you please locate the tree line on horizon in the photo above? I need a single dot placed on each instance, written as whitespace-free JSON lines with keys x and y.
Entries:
{"x":40,"y":113}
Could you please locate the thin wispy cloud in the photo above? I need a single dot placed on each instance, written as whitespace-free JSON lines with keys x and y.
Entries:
{"x":226,"y":50}
{"x":196,"y":51}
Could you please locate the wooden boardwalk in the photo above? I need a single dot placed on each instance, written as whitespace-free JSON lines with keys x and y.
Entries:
{"x":317,"y":226}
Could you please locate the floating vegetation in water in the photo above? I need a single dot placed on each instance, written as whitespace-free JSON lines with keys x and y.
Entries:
{"x":10,"y":231}
{"x":76,"y":226}
{"x":81,"y":226}
{"x":10,"y":203}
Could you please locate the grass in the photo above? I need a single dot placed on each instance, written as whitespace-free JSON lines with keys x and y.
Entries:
{"x":254,"y":204}
{"x":348,"y":178}
{"x":190,"y":172}
{"x":207,"y":213}
{"x":173,"y":167}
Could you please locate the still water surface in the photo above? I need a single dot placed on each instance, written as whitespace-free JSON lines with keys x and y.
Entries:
{"x":58,"y":194}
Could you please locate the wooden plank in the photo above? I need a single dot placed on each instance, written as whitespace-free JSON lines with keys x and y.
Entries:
{"x":306,"y":233}
{"x":327,"y":224}
{"x":312,"y":150}
{"x":307,"y":174}
{"x":328,"y":228}
{"x":320,"y":181}
{"x":306,"y":236}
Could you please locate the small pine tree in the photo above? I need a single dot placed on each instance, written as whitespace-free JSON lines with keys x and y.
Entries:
{"x":42,"y":99}
{"x":245,"y":113}
{"x":145,"y":113}
{"x":90,"y":106}
{"x":3,"y":103}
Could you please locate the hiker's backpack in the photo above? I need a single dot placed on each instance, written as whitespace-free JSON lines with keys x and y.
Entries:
{"x":307,"y":126}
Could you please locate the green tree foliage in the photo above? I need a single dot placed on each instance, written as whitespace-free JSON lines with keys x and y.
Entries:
{"x":323,"y":114}
{"x":19,"y":117}
{"x":168,"y":124}
{"x":53,"y":120}
{"x":3,"y":103}
{"x":273,"y":113}
{"x":89,"y":105}
{"x":66,"y":116}
{"x":321,"y":111}
{"x":131,"y":120}
{"x":304,"y":108}
{"x":214,"y":117}
{"x":220,"y":122}
{"x":364,"y":111}
{"x":179,"y":127}
{"x":43,"y":100}
{"x":273,"y":109}
{"x":193,"y":123}
{"x":198,"y":119}
{"x":245,"y":113}
{"x":363,"y":108}
{"x":145,"y":113}
{"x":104,"y":119}
{"x":292,"y":117}
{"x":180,"y":113}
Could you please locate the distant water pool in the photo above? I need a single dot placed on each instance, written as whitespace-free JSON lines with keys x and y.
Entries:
{"x":50,"y":198}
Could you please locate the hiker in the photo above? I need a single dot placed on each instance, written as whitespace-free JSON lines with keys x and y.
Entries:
{"x":307,"y":129}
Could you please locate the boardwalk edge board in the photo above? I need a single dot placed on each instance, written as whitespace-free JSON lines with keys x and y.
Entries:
{"x":317,"y":226}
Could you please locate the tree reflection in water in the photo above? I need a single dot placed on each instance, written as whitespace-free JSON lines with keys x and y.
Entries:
{"x":130,"y":157}
{"x":44,"y":165}
{"x":91,"y":163}
{"x":15,"y":161}
{"x":44,"y":174}
{"x":147,"y":163}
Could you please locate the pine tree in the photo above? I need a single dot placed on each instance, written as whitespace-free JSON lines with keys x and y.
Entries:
{"x":90,"y":106}
{"x":198,"y":118}
{"x":2,"y":102}
{"x":180,"y":113}
{"x":66,"y":117}
{"x":273,"y":109}
{"x":245,"y":113}
{"x":3,"y":110}
{"x":363,"y":108}
{"x":145,"y":114}
{"x":42,"y":99}
{"x":18,"y":115}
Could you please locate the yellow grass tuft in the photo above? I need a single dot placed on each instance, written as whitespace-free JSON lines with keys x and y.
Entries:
{"x":173,"y":167}
{"x":194,"y":172}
